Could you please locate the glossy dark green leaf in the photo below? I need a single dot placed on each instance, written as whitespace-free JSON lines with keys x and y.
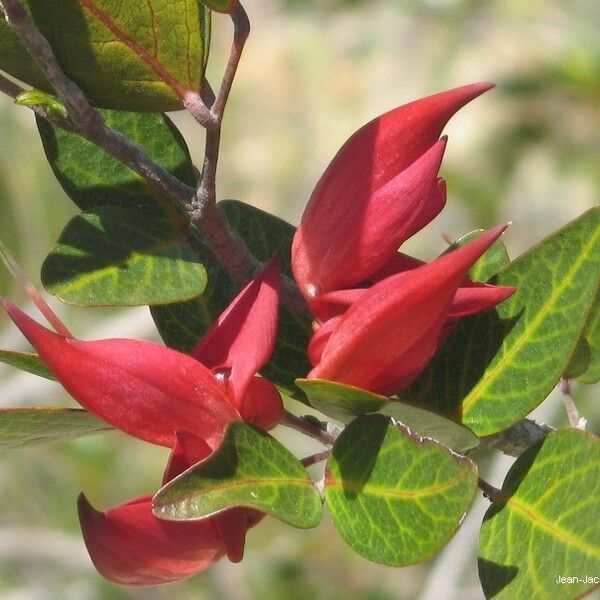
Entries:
{"x":182,"y":325}
{"x":118,"y":256}
{"x":585,"y":362}
{"x":32,"y":426}
{"x":130,"y":56}
{"x":250,"y":469}
{"x":494,"y":259}
{"x":345,"y":402}
{"x":546,"y":524}
{"x":498,"y":366}
{"x":26,"y":361}
{"x":94,"y":179}
{"x":394,"y":497}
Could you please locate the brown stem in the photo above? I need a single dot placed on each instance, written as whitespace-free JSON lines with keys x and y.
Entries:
{"x":313,"y":459}
{"x":575,"y":419}
{"x":301,"y":424}
{"x":493,"y":494}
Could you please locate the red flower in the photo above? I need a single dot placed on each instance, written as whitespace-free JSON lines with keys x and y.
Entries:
{"x":379,"y":190}
{"x":390,"y":331}
{"x":184,"y":402}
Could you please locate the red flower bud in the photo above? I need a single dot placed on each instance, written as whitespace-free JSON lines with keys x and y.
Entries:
{"x":379,"y":189}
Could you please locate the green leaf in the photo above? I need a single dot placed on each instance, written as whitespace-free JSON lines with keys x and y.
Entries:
{"x":26,"y":361}
{"x":394,"y":497}
{"x":499,"y":365}
{"x":122,"y":257}
{"x":94,"y":179}
{"x":32,"y":426}
{"x":494,"y":259}
{"x":182,"y":325}
{"x":345,"y":402}
{"x":546,"y":523}
{"x":585,"y":362}
{"x":39,"y":98}
{"x":133,"y":56}
{"x":250,"y":469}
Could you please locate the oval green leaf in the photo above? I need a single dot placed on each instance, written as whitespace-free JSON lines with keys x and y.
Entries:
{"x":122,"y":257}
{"x":26,"y":361}
{"x":264,"y":234}
{"x":546,"y":524}
{"x":498,"y":366}
{"x":250,"y":469}
{"x":394,"y":497}
{"x":21,"y":427}
{"x":346,"y":402}
{"x":94,"y":179}
{"x":129,"y":56}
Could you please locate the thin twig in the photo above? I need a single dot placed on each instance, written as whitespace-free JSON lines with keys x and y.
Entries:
{"x":516,"y":439}
{"x":575,"y":419}
{"x":10,"y":88}
{"x":301,"y":424}
{"x":313,"y":459}
{"x":493,"y":494}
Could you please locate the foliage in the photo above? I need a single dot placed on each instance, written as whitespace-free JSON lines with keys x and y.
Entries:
{"x":412,"y":365}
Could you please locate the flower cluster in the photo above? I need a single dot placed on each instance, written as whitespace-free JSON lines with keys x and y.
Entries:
{"x":380,"y":315}
{"x":184,"y":402}
{"x":379,"y":318}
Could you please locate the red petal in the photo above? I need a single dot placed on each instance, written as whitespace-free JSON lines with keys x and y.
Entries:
{"x":262,"y":405}
{"x":141,"y":388}
{"x":398,"y":316}
{"x":348,"y":245}
{"x":374,"y":155}
{"x":332,"y":304}
{"x":243,"y":336}
{"x":233,"y":525}
{"x":130,"y":546}
{"x":188,"y":450}
{"x":472,"y":297}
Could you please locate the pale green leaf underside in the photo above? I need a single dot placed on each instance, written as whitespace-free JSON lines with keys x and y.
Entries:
{"x":21,"y":427}
{"x":26,"y":361}
{"x":395,"y":499}
{"x":250,"y":469}
{"x":345,"y":402}
{"x":548,"y":524}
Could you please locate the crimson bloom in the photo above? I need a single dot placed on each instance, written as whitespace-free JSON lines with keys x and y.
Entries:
{"x":381,"y":315}
{"x":391,"y":330}
{"x":181,"y":401}
{"x":379,"y":190}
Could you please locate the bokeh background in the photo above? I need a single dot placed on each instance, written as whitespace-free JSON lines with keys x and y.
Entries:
{"x":314,"y":71}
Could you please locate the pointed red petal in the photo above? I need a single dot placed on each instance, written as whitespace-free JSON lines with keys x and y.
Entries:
{"x":359,"y":238}
{"x":130,"y":546}
{"x":262,"y":405}
{"x":141,"y":388}
{"x":320,"y":338}
{"x":188,"y":450}
{"x":233,"y":525}
{"x":398,"y":316}
{"x":472,"y":297}
{"x":371,"y":157}
{"x":243,"y":336}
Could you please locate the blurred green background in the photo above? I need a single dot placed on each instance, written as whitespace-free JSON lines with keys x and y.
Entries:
{"x":314,"y":71}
